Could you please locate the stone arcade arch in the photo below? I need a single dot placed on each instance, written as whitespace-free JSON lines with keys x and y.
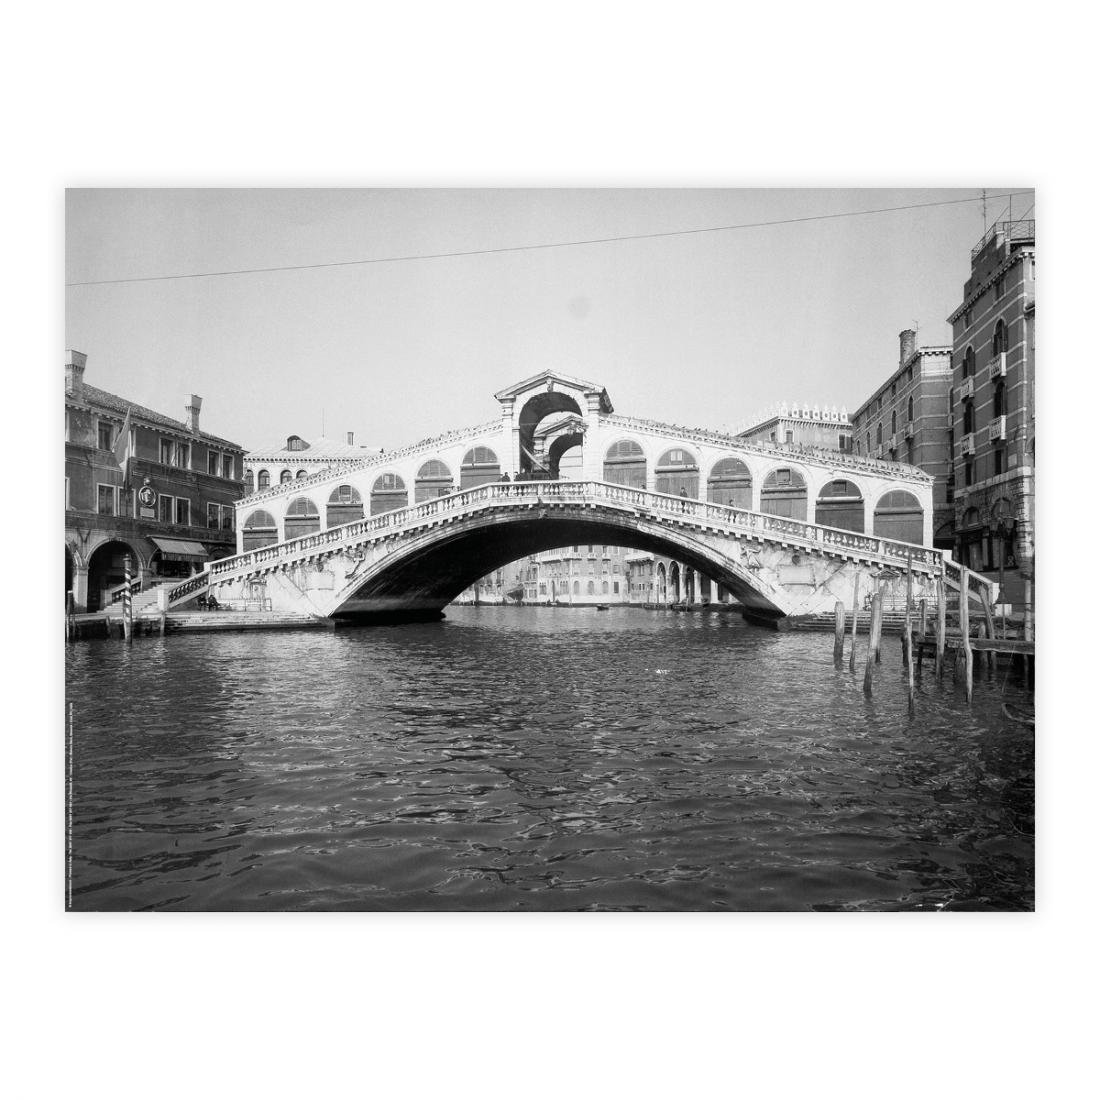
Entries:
{"x":480,"y":466}
{"x":840,"y":504}
{"x":259,"y":529}
{"x":302,"y":518}
{"x":345,"y":505}
{"x":388,"y":493}
{"x":678,"y":473}
{"x":624,"y":464}
{"x":783,"y":493}
{"x":534,"y":411}
{"x":899,"y":516}
{"x":433,"y":479}
{"x":730,"y":482}
{"x":106,"y":570}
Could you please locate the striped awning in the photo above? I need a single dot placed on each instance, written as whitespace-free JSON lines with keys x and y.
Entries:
{"x":180,"y":550}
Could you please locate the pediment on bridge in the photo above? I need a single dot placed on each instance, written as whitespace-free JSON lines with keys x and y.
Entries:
{"x":550,"y":381}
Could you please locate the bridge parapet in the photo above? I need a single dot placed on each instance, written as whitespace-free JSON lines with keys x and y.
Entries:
{"x":546,"y":494}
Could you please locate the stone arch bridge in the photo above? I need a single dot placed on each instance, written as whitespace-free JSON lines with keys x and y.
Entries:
{"x":400,"y":534}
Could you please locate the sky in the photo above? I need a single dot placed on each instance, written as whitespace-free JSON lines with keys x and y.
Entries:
{"x":702,"y":329}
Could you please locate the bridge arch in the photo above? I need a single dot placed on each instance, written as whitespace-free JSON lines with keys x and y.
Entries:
{"x":433,"y":479}
{"x":259,"y":529}
{"x":434,"y":565}
{"x":387,"y":493}
{"x":730,"y":482}
{"x":480,"y":465}
{"x":534,"y":411}
{"x":840,"y":504}
{"x":345,"y":505}
{"x":624,"y":463}
{"x":302,"y":518}
{"x":899,"y":516}
{"x":783,"y":493}
{"x":677,"y":473}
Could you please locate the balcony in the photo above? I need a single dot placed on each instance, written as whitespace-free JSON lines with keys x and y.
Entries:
{"x":968,"y":447}
{"x":965,"y":389}
{"x":998,"y":428}
{"x":998,"y":366}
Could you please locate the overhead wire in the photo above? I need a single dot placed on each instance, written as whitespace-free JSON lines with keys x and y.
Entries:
{"x":534,"y":247}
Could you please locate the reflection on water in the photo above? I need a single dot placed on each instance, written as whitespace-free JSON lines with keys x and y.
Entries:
{"x":523,"y":758}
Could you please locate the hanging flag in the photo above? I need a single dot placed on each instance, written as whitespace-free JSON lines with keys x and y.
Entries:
{"x":122,"y":445}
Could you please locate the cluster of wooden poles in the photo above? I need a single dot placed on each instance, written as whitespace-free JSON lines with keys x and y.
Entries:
{"x":126,"y":619}
{"x":964,"y":656}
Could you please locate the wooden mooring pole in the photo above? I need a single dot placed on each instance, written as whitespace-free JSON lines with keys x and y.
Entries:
{"x":876,"y":645}
{"x":907,"y":644}
{"x":941,"y":624}
{"x":838,"y":640}
{"x":855,"y":621}
{"x":964,"y":627}
{"x":127,"y":603}
{"x":990,"y":631}
{"x":875,"y":632}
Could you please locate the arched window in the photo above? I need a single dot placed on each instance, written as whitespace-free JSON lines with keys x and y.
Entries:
{"x":894,"y":422}
{"x":387,"y":493}
{"x":1000,"y":406}
{"x":968,"y":362}
{"x":868,"y":442}
{"x":784,"y":494}
{"x":263,"y":480}
{"x":433,"y":479}
{"x":840,"y":504}
{"x":999,"y":341}
{"x":591,"y":588}
{"x":730,"y":483}
{"x":576,"y":587}
{"x":345,"y":505}
{"x":259,"y":530}
{"x":878,"y":434}
{"x":284,"y":477}
{"x":624,"y":464}
{"x":249,"y":482}
{"x":909,"y":409}
{"x":302,"y":518}
{"x":480,"y":466}
{"x":603,"y":588}
{"x":899,"y":516}
{"x":968,"y":417}
{"x":678,"y":473}
{"x":300,"y":474}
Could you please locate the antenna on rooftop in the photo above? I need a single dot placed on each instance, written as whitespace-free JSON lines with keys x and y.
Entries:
{"x":985,"y":219}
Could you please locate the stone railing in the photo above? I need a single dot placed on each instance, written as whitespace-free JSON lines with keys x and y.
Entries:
{"x":821,"y":455}
{"x":545,"y":494}
{"x":340,"y":467}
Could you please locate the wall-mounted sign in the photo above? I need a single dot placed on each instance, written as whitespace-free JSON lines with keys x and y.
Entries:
{"x":147,"y":496}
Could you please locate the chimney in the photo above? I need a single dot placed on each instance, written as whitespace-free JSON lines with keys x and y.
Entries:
{"x":351,"y":439}
{"x":908,"y":345}
{"x":193,"y":406}
{"x":75,"y":362}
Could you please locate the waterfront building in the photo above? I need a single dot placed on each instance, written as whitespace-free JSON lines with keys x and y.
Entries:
{"x":907,"y":419}
{"x":171,"y":509}
{"x":501,"y":586}
{"x":580,"y":575}
{"x":800,"y":426}
{"x":653,"y":579}
{"x":993,"y":403}
{"x":297,"y":458}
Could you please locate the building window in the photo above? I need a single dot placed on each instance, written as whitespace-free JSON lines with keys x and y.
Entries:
{"x":228,"y":513}
{"x":212,"y":462}
{"x":999,"y":403}
{"x":893,"y":390}
{"x":894,"y":422}
{"x":227,"y":466}
{"x":285,"y":476}
{"x":213,"y":517}
{"x":183,"y":456}
{"x":968,"y":417}
{"x":999,"y":342}
{"x":105,"y":500}
{"x":166,"y":452}
{"x":968,"y":363}
{"x":126,"y":502}
{"x":165,"y":509}
{"x":183,"y":511}
{"x":249,"y":482}
{"x":998,"y":288}
{"x":263,"y":480}
{"x":868,"y":442}
{"x":909,"y":409}
{"x":966,"y":318}
{"x":105,"y":433}
{"x":878,"y":435}
{"x":771,"y":437}
{"x":969,"y":472}
{"x":300,"y":474}
{"x":790,"y":436}
{"x":998,"y":461}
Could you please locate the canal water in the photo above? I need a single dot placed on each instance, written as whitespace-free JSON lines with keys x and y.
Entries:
{"x":538,"y":759}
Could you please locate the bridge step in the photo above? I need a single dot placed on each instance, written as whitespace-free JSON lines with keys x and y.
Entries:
{"x":243,"y":620}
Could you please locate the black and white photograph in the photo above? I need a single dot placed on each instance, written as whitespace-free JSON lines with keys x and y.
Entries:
{"x":556,"y":547}
{"x":550,"y":549}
